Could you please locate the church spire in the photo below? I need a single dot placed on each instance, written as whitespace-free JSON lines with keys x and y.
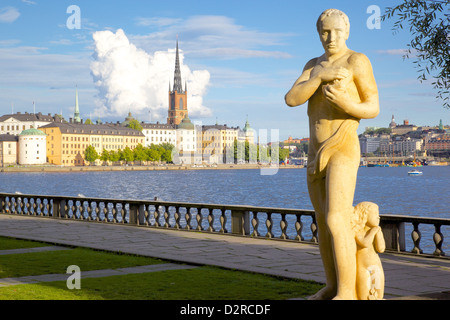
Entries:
{"x":177,"y":86}
{"x":76,"y":115}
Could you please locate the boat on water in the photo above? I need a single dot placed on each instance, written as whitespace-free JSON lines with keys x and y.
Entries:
{"x":415,"y":172}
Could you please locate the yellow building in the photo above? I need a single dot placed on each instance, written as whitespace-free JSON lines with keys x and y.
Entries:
{"x":66,"y":142}
{"x":8,"y":149}
{"x":214,"y":142}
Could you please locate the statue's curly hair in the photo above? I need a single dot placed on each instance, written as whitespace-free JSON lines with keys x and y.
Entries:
{"x":360,"y":212}
{"x":330,"y":12}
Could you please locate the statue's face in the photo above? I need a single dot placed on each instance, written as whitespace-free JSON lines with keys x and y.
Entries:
{"x":333,"y":34}
{"x":373,"y":218}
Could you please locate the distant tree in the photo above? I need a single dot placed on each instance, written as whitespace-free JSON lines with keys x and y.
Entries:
{"x":139,"y":153}
{"x":115,"y":155}
{"x":429,"y":26}
{"x":134,"y":124}
{"x":153,"y":154}
{"x":283,"y":154}
{"x":166,"y":156}
{"x":167,"y":146}
{"x":90,"y":154}
{"x":88,"y":121}
{"x":378,"y":131}
{"x":104,"y":156}
{"x":127,"y":155}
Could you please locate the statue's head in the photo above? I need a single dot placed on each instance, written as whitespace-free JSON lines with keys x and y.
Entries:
{"x":333,"y":27}
{"x":365,"y":213}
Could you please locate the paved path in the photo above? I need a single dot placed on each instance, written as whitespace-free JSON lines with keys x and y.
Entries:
{"x":407,"y":276}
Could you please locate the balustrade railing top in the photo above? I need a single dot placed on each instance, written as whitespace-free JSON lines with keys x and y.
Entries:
{"x":252,"y":221}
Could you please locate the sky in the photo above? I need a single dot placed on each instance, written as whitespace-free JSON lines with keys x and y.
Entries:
{"x":238,"y":60}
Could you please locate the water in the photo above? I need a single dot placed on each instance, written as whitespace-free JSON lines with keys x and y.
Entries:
{"x":391,"y":188}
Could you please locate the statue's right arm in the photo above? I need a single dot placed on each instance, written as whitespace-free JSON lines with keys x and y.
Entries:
{"x":380,"y":245}
{"x":304,"y":87}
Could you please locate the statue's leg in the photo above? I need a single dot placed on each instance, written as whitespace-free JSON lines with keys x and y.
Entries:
{"x":341,"y":183}
{"x":316,"y":187}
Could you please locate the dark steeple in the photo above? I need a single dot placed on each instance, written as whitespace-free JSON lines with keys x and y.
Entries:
{"x":177,"y":77}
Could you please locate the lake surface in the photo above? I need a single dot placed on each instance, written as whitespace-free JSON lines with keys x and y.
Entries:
{"x":391,"y":188}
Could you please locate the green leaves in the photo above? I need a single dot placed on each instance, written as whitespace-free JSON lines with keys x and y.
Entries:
{"x":162,"y":152}
{"x":430,"y":46}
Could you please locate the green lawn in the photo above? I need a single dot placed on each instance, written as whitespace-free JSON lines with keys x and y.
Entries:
{"x":203,"y":283}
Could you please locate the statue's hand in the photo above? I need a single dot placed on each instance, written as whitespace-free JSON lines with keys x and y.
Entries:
{"x":337,"y":95}
{"x":333,"y":73}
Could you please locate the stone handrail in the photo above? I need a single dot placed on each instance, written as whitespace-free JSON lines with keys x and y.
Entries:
{"x":251,"y":221}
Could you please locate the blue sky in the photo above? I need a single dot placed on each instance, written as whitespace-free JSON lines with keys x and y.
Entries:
{"x":252,"y":51}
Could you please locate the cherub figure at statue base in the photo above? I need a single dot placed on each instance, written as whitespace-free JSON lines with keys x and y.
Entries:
{"x":369,"y":242}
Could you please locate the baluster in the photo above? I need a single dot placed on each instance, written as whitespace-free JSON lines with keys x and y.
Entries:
{"x":199,"y":219}
{"x":223,"y":221}
{"x":111,"y":212}
{"x":96,"y":211}
{"x":211,"y":220}
{"x":156,"y":216}
{"x":26,"y":206}
{"x":269,"y":224}
{"x":120,"y":212}
{"x":20,"y":206}
{"x":166,"y":218}
{"x":8,"y":205}
{"x":43,"y":207}
{"x":283,"y":226}
{"x":255,"y":224}
{"x":14,"y":206}
{"x":416,"y":236}
{"x":116,"y":213}
{"x":93,"y":211}
{"x":299,"y":228}
{"x":89,"y":211}
{"x":80,"y":206}
{"x":314,"y":229}
{"x":177,"y":217}
{"x":438,"y":238}
{"x":188,"y":218}
{"x":33,"y":207}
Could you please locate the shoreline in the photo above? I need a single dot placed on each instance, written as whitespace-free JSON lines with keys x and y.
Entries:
{"x":139,"y":168}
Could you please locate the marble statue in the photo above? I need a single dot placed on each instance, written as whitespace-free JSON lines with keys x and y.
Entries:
{"x":340,"y":89}
{"x":369,"y":240}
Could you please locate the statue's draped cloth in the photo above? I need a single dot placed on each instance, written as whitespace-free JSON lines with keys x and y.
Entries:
{"x":317,"y":165}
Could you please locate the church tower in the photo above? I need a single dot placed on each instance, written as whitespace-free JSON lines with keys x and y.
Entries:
{"x":177,"y":96}
{"x":76,"y":114}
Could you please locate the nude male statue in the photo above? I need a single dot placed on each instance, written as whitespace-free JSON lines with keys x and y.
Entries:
{"x":340,"y":89}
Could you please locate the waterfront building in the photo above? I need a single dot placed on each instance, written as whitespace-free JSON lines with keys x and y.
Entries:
{"x":159,"y":133}
{"x":178,"y":107}
{"x":32,"y":147}
{"x":438,"y":146}
{"x":14,"y":124}
{"x":67,"y":142}
{"x":370,"y":144}
{"x":401,"y":146}
{"x":403,"y":129}
{"x":8,"y":149}
{"x":155,"y":133}
{"x":246,"y":134}
{"x":186,"y":142}
{"x":217,"y":142}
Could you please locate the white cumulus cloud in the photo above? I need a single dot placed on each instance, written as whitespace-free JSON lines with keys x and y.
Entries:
{"x":9,"y":14}
{"x":129,"y":79}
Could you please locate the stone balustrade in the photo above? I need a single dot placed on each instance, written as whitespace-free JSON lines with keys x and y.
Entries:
{"x":271,"y":223}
